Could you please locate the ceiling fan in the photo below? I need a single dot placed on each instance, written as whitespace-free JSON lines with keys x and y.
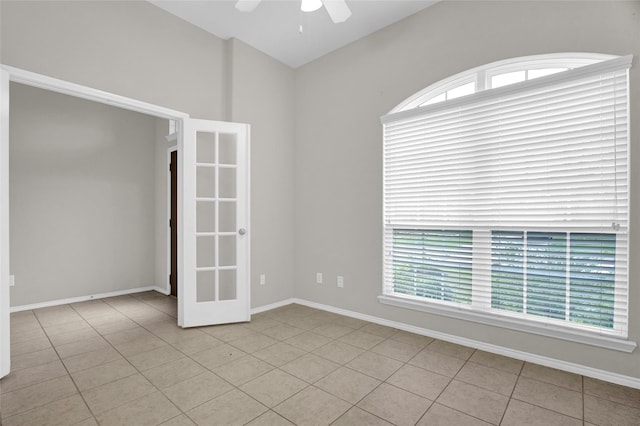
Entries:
{"x":337,"y":9}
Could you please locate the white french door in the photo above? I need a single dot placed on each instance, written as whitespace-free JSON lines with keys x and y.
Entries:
{"x":213,"y":232}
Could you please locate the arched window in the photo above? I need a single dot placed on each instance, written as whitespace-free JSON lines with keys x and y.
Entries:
{"x":506,"y":197}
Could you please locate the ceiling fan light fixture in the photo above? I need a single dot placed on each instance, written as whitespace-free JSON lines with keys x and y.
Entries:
{"x":310,"y":5}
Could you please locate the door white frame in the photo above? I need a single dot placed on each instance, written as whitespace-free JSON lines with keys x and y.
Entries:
{"x":7,"y":75}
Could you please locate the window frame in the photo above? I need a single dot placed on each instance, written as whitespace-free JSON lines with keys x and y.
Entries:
{"x":482,"y":77}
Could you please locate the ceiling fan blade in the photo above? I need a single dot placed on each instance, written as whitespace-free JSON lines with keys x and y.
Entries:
{"x":247,"y":5}
{"x":338,"y":10}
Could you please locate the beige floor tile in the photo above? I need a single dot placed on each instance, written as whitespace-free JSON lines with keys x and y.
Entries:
{"x":332,"y":330}
{"x":310,"y":368}
{"x":112,"y":324}
{"x":128,"y":335}
{"x":361,"y":339}
{"x":553,"y":376}
{"x":395,"y":405}
{"x":411,"y":338}
{"x":173,"y":372}
{"x":419,"y":381}
{"x":83,"y":346}
{"x":232,"y":408}
{"x":451,"y":349}
{"x":437,"y":362}
{"x":197,"y":390}
{"x":612,"y":392}
{"x":181,"y":420}
{"x":66,"y":411}
{"x":549,"y":396}
{"x":117,"y":393}
{"x":273,"y":387}
{"x":197,"y":344}
{"x":19,"y":336}
{"x":282,"y":331}
{"x":227,"y":332}
{"x":379,"y":330}
{"x":243,"y":370}
{"x":149,"y":410}
{"x":488,"y":378}
{"x":439,"y":415}
{"x":375,"y":365}
{"x":357,"y":416}
{"x":91,"y":359}
{"x":270,"y":418}
{"x":88,"y":422}
{"x":347,"y":384}
{"x":155,"y":357}
{"x":498,"y":362}
{"x":217,"y":356}
{"x":137,"y":346}
{"x":307,"y":323}
{"x":34,"y":396}
{"x":308,"y":341}
{"x":259,"y":323}
{"x":396,"y":350}
{"x":31,"y":345}
{"x":66,"y":328}
{"x":30,"y":376}
{"x":607,"y":413}
{"x":477,"y":402}
{"x":102,"y":374}
{"x":33,"y":359}
{"x":520,"y":413}
{"x":338,"y":352}
{"x":253,"y":342}
{"x":354,"y":323}
{"x":312,"y":406}
{"x":279,"y":354}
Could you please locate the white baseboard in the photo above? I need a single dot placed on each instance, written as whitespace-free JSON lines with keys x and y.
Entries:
{"x":583,"y":370}
{"x":84,"y":298}
{"x":272,"y":306}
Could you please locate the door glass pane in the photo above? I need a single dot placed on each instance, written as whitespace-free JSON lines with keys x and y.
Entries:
{"x":205,"y":147}
{"x":227,"y":248}
{"x":205,"y":252}
{"x":205,"y":182}
{"x":227,"y":285}
{"x":227,"y":182}
{"x":227,"y":148}
{"x":205,"y":216}
{"x":227,"y":214}
{"x":205,"y":286}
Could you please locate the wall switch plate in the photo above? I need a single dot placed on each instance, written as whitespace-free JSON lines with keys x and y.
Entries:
{"x":12,"y":280}
{"x":318,"y":277}
{"x":340,"y":281}
{"x":263,"y":279}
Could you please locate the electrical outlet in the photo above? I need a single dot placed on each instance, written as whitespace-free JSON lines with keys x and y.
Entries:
{"x":12,"y":280}
{"x":263,"y":279}
{"x":318,"y":277}
{"x":340,"y":281}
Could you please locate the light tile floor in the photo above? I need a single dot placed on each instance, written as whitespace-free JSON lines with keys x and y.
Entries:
{"x":123,"y":360}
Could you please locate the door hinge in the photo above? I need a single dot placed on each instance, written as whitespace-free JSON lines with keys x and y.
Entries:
{"x":170,"y":225}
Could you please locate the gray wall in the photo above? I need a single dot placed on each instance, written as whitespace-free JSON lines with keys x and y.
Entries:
{"x":137,"y":50}
{"x":338,"y":155}
{"x":265,"y":99}
{"x":82,"y":197}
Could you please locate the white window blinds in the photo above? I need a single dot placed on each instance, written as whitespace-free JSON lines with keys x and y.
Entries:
{"x":547,"y":158}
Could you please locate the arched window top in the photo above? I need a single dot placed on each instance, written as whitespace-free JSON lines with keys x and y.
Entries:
{"x":498,"y":74}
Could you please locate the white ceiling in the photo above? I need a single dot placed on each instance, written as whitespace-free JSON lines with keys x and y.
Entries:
{"x":274,"y":26}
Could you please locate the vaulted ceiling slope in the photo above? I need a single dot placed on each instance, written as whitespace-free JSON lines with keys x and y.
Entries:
{"x":279,"y":29}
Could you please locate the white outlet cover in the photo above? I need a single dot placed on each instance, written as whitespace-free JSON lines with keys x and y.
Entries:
{"x":340,"y":281}
{"x":319,"y":277}
{"x":263,"y":279}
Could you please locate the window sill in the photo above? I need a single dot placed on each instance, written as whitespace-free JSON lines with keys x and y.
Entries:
{"x":548,"y":330}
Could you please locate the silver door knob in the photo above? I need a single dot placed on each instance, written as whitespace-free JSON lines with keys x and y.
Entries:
{"x":242,"y":231}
